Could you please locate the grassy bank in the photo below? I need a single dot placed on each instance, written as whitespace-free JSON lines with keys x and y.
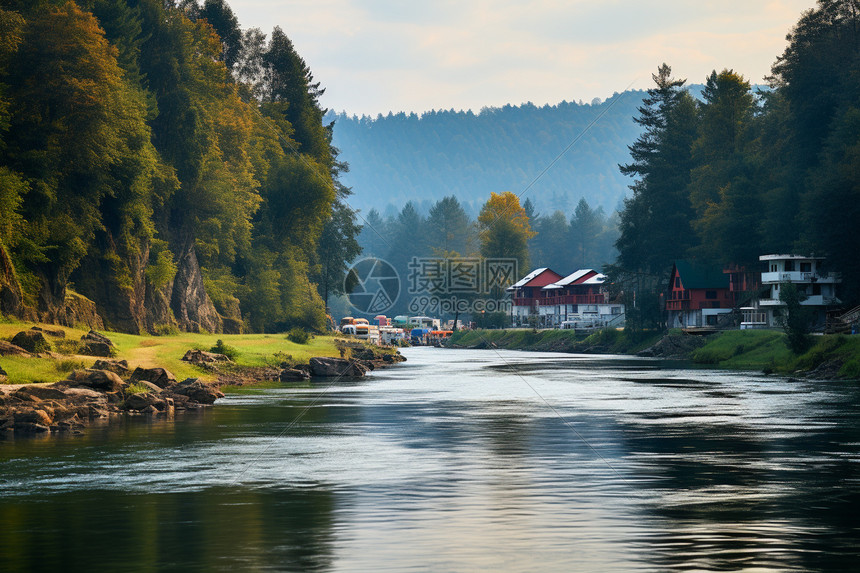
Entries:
{"x":763,"y":350}
{"x":607,"y":341}
{"x":251,"y":350}
{"x":767,"y":351}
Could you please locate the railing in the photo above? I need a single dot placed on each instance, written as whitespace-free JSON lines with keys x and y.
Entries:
{"x":573,"y":299}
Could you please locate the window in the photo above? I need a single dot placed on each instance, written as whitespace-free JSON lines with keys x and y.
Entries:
{"x":789,"y":266}
{"x":806,"y":267}
{"x":711,"y":320}
{"x":710,"y":294}
{"x":816,"y":289}
{"x":677,"y":282}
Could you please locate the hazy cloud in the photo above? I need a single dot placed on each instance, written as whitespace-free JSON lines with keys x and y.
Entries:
{"x":379,"y":55}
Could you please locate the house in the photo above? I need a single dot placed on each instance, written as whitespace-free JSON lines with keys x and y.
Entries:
{"x":526,"y":294}
{"x":580,"y":300}
{"x":810,"y":277}
{"x":697,"y":295}
{"x":546,"y":299}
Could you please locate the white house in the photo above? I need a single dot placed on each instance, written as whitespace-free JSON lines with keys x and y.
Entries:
{"x":809,"y":276}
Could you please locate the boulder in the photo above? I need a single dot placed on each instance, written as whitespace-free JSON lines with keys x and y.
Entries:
{"x":93,"y":336}
{"x":33,"y":417}
{"x":95,"y":348}
{"x":201,"y":357}
{"x":324,"y":366}
{"x":158,"y":376}
{"x":293,"y":375}
{"x":41,"y":392}
{"x":150,"y":387}
{"x":140,"y":401}
{"x":9,"y":349}
{"x":103,"y":380}
{"x":119,"y":367}
{"x":3,"y":375}
{"x":82,"y":395}
{"x":197,"y":391}
{"x":33,"y":341}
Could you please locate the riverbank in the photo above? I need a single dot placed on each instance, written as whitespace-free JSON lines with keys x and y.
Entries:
{"x":829,"y":357}
{"x":62,"y":379}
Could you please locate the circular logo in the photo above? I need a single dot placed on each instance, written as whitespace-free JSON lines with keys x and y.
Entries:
{"x":372,"y":286}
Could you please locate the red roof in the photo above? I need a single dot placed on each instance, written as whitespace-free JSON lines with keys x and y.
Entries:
{"x":542,"y":279}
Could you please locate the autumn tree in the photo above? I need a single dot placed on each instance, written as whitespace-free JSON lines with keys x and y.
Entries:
{"x":504,"y":229}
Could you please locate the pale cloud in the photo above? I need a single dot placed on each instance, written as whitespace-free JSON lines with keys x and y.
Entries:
{"x":379,"y":55}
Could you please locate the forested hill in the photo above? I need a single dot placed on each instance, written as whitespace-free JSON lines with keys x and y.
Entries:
{"x":398,"y":157}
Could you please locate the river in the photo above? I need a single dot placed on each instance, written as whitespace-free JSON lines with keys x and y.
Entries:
{"x":457,"y":460}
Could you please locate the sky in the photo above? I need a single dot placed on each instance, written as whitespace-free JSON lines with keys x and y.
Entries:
{"x":376,"y":56}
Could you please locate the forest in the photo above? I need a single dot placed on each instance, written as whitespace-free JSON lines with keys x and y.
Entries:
{"x":161,"y":168}
{"x":744,"y":172}
{"x":399,"y":157}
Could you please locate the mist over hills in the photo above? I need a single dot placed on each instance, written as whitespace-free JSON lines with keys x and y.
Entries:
{"x":401,"y":157}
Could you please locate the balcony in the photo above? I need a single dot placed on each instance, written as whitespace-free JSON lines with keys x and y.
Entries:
{"x":573,"y":299}
{"x":799,"y":277}
{"x":814,"y":300}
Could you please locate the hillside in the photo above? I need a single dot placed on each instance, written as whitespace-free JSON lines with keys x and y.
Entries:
{"x":400,"y":157}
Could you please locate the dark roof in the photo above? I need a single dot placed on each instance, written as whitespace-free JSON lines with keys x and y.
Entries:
{"x":694,"y":275}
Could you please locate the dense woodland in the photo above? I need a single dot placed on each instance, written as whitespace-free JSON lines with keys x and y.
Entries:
{"x":397,"y":158}
{"x":743,"y":172}
{"x":179,"y":172}
{"x":167,"y":165}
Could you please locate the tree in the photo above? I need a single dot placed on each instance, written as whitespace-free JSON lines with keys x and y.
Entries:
{"x":794,"y":318}
{"x":722,"y":191}
{"x":504,"y":229}
{"x":655,"y":222}
{"x":449,"y":227}
{"x":337,"y":247}
{"x":219,"y":15}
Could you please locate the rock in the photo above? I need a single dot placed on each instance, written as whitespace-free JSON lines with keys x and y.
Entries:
{"x":3,"y":376}
{"x":190,"y":303}
{"x":9,"y":349}
{"x":324,"y":366}
{"x":197,"y":391}
{"x":150,"y":387}
{"x":293,"y":375}
{"x":30,"y":428}
{"x":119,"y":367}
{"x":56,"y":333}
{"x":158,"y":376}
{"x":94,"y":348}
{"x":139,"y":401}
{"x":103,"y":380}
{"x":81,"y":395}
{"x":33,"y":417}
{"x":32,"y":341}
{"x":201,"y":357}
{"x":150,"y":410}
{"x":93,"y":336}
{"x":232,"y":325}
{"x":40,"y":391}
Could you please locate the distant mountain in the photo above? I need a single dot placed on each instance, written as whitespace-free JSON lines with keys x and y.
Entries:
{"x":397,"y":158}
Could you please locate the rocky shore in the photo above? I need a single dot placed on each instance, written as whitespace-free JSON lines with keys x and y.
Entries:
{"x":110,"y":390}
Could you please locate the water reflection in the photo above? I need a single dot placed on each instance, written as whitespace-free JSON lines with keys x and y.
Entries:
{"x":457,"y":462}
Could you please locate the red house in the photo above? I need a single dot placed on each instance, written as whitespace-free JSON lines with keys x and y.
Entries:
{"x":697,"y":295}
{"x":526,"y":293}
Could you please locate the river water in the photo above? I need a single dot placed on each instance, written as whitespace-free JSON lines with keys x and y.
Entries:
{"x":457,"y":460}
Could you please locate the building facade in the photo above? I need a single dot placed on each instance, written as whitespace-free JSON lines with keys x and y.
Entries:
{"x":809,"y":276}
{"x":697,"y":295}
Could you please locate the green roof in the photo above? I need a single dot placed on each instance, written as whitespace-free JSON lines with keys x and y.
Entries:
{"x":695,"y":275}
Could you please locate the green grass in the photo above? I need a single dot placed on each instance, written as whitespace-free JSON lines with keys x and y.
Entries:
{"x":166,"y":352}
{"x":767,"y":350}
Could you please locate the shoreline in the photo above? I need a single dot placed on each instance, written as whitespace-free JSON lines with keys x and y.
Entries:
{"x":830,"y":357}
{"x":46,"y":389}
